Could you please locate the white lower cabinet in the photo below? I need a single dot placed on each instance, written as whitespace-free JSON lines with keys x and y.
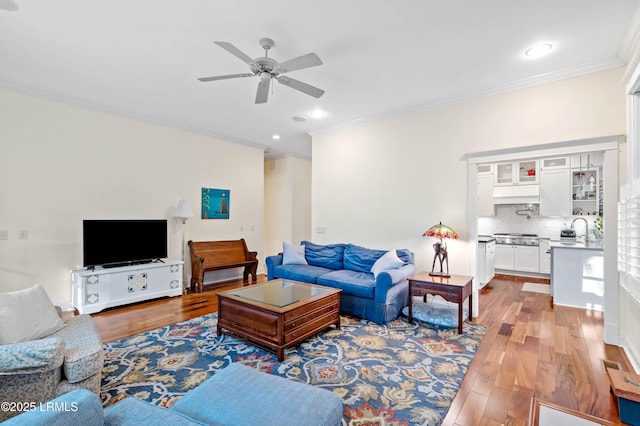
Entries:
{"x":505,"y":257}
{"x":544,"y":257}
{"x":486,"y":262}
{"x":577,"y":278}
{"x":517,"y":258}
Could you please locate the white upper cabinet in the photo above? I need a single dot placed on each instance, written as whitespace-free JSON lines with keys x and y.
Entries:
{"x":554,"y":163}
{"x":485,"y":190}
{"x":523,"y":172}
{"x":555,"y":192}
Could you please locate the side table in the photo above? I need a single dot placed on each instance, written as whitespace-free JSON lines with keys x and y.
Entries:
{"x":454,"y":289}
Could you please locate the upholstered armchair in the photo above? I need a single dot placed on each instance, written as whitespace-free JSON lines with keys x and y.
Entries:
{"x":40,"y":369}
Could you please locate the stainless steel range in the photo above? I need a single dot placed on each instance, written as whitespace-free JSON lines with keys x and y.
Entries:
{"x":517,"y":239}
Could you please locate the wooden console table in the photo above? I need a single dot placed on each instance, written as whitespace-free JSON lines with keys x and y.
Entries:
{"x":453,"y":289}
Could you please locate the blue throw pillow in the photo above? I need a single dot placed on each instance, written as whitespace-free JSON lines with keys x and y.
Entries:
{"x":326,"y":256}
{"x":360,"y":259}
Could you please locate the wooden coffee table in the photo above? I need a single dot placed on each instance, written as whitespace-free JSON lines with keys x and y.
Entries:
{"x":278,"y":314}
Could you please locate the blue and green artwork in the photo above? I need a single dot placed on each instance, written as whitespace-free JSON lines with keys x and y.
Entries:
{"x":215,"y":203}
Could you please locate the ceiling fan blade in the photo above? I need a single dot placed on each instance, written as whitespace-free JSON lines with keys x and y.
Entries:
{"x":298,"y":85}
{"x":263,"y":91}
{"x":304,"y":61}
{"x":235,"y":51}
{"x":224,"y":77}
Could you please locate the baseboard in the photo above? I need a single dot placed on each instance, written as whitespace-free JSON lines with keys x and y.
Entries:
{"x":632,"y":354}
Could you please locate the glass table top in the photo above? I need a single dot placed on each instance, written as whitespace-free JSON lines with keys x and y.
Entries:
{"x":278,"y":292}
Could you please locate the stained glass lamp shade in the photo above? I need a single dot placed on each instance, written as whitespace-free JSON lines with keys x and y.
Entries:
{"x":440,"y":231}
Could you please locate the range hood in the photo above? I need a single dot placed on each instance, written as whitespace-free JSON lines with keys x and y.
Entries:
{"x":516,"y":194}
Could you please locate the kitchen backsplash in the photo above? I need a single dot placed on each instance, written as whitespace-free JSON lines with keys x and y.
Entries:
{"x":507,"y":220}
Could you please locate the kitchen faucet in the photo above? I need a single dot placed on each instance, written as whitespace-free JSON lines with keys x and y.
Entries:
{"x":586,"y":226}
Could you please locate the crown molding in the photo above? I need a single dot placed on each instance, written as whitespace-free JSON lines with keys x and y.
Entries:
{"x":138,"y":117}
{"x":479,"y":94}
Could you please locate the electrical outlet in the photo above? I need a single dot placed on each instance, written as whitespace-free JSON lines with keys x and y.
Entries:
{"x":242,"y":229}
{"x":23,"y":234}
{"x":4,"y":235}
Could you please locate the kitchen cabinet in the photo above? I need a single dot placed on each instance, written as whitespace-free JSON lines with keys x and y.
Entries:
{"x":544,"y":258}
{"x":524,"y":172}
{"x":505,"y":257}
{"x":589,"y":160}
{"x":517,"y":258}
{"x":526,"y":258}
{"x":555,"y":192}
{"x":555,"y":163}
{"x":485,"y":195}
{"x":486,"y":262}
{"x":577,"y":278}
{"x":585,"y":191}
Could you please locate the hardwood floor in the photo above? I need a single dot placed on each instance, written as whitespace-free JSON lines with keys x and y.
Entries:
{"x":531,"y":349}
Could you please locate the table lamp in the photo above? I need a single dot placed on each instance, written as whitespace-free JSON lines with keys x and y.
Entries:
{"x":440,"y":231}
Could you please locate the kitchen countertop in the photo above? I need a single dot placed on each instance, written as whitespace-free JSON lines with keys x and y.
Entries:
{"x":579,"y":244}
{"x":485,"y":238}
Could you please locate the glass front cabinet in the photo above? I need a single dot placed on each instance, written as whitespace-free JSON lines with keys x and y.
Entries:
{"x":516,"y":173}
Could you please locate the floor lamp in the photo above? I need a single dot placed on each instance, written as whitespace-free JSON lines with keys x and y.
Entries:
{"x":183,"y":212}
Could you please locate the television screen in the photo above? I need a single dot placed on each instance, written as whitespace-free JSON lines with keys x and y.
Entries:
{"x":122,"y":242}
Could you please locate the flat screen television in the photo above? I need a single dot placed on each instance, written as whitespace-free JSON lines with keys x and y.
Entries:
{"x":111,"y":243}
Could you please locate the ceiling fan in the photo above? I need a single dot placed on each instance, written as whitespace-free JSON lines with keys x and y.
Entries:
{"x":267,"y":69}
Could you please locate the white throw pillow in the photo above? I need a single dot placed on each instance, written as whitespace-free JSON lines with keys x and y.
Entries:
{"x":293,"y":255}
{"x":386,"y":262}
{"x":27,"y":315}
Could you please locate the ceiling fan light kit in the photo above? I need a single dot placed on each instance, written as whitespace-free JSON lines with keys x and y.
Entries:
{"x":268,"y":68}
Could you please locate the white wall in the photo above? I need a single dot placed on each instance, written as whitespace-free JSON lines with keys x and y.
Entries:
{"x":383,"y":183}
{"x":60,"y":164}
{"x":287,"y":185}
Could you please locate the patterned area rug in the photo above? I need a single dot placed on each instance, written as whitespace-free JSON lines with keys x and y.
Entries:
{"x":396,"y":374}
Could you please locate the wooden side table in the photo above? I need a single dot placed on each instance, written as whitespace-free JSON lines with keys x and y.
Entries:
{"x":454,"y":289}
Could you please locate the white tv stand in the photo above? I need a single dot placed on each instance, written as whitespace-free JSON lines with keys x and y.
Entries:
{"x":100,"y":288}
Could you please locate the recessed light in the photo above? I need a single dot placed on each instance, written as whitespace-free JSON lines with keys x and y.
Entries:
{"x":275,"y":137}
{"x":317,"y":113}
{"x":538,"y":50}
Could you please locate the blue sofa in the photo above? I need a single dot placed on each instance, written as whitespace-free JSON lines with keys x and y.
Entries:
{"x":348,"y":267}
{"x":236,"y":396}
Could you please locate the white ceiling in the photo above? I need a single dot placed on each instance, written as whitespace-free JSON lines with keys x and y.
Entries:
{"x":142,"y":58}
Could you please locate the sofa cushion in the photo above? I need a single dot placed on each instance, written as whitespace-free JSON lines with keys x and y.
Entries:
{"x":31,"y":357}
{"x":327,"y":256}
{"x":361,"y":284}
{"x":27,"y":315}
{"x":293,"y":255}
{"x":239,"y":395}
{"x":132,"y":411}
{"x":387,"y":262}
{"x":78,"y":407}
{"x":360,"y":259}
{"x":304,"y":273}
{"x":83,"y":355}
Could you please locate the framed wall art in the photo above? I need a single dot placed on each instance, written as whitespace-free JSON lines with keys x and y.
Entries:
{"x":215,"y":203}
